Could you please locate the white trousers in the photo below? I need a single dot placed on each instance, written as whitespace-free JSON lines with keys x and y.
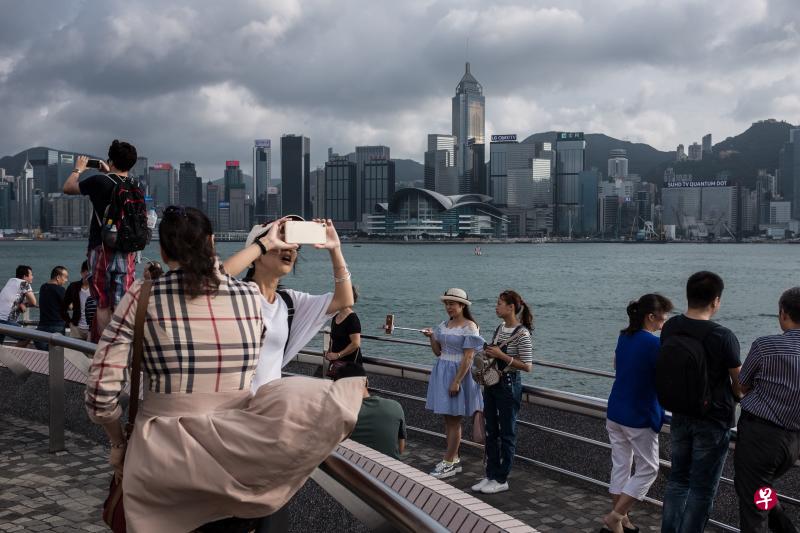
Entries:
{"x":631,"y":446}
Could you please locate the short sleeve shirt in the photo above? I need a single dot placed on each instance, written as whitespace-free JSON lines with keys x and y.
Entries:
{"x":11,"y":296}
{"x":381,"y":422}
{"x":51,"y":299}
{"x":340,"y":334}
{"x":310,"y":314}
{"x":722,"y":350}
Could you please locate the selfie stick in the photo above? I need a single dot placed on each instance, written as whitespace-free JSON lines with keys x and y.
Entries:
{"x":389,"y":326}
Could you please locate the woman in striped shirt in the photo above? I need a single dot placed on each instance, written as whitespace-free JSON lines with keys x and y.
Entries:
{"x":511,"y":346}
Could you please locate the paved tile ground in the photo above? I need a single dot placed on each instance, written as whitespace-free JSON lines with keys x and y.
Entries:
{"x":537,"y":496}
{"x":63,"y":492}
{"x":40,"y":491}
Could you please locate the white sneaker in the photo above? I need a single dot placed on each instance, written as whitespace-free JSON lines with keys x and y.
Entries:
{"x":445,"y":469}
{"x":493,"y":487}
{"x":480,"y":484}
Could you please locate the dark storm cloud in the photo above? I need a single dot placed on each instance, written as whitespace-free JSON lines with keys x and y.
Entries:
{"x":199,"y":80}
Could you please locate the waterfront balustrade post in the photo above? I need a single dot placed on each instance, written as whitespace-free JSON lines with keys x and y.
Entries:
{"x":56,"y":397}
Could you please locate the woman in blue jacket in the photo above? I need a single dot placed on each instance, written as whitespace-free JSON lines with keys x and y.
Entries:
{"x":634,"y":415}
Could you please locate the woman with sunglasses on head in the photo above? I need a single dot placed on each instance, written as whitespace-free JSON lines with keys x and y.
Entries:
{"x":452,"y":391}
{"x":203,"y":448}
{"x":269,"y":258}
{"x":512,"y":349}
{"x":634,"y":416}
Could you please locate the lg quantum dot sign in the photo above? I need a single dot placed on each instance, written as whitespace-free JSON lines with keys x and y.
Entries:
{"x":695,"y":183}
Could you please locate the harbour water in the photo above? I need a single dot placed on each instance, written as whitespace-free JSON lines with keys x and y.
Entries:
{"x":578,"y":292}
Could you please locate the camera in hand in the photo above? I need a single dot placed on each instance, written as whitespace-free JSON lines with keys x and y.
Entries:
{"x":302,"y":232}
{"x":93,"y":163}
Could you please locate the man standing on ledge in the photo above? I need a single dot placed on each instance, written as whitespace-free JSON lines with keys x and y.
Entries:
{"x":700,"y":438}
{"x":111,"y":273}
{"x":768,"y":440}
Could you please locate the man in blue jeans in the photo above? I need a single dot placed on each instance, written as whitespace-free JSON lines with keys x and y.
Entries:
{"x":700,"y":443}
{"x":51,"y":300}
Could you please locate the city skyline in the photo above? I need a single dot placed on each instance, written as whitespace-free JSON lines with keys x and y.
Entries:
{"x":663,"y":75}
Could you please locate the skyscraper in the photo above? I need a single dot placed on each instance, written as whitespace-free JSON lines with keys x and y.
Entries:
{"x":695,"y":152}
{"x":212,"y":204}
{"x":5,"y":205}
{"x":295,"y":177}
{"x":190,"y":186}
{"x":680,"y":153}
{"x":707,"y":143}
{"x":789,"y":169}
{"x":469,"y":110}
{"x":140,"y":172}
{"x":618,"y":164}
{"x":340,"y":190}
{"x":163,"y":186}
{"x":239,"y":212}
{"x":440,"y":164}
{"x":233,"y":176}
{"x":365,"y":154}
{"x":379,"y":184}
{"x":262,"y":175}
{"x":570,"y":162}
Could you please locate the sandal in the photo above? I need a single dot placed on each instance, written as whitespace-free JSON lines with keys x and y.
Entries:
{"x":613,"y":522}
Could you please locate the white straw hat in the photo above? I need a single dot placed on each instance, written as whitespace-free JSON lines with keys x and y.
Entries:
{"x":455,"y":295}
{"x":259,"y":230}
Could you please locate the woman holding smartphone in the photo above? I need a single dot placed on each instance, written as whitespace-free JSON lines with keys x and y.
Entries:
{"x":511,"y":347}
{"x":452,"y":391}
{"x":269,"y":258}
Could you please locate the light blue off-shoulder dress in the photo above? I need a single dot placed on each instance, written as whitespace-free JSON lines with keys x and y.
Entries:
{"x":453,"y":341}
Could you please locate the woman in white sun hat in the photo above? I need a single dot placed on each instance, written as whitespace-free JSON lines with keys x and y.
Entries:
{"x":451,"y":390}
{"x":291,"y":317}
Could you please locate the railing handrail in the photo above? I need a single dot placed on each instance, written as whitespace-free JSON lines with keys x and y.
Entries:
{"x":395,"y":509}
{"x":540,"y":362}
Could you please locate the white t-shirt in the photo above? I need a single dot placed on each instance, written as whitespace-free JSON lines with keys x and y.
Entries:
{"x":11,"y":296}
{"x":310,"y":314}
{"x":85,"y":293}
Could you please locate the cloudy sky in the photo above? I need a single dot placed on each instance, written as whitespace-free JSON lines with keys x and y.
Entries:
{"x":200,"y":79}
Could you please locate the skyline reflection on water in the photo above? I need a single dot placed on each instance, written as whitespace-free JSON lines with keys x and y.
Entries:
{"x":578,"y":292}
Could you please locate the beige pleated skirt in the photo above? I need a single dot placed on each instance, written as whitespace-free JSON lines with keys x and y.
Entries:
{"x":196,"y":458}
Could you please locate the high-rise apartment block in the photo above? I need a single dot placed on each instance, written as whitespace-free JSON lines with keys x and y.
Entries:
{"x":262,"y":176}
{"x":695,"y":152}
{"x":469,"y":110}
{"x":378,"y":183}
{"x":239,"y":210}
{"x":295,"y":175}
{"x":707,"y":146}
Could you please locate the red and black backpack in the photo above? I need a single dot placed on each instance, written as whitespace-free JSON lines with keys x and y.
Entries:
{"x":124,"y":225}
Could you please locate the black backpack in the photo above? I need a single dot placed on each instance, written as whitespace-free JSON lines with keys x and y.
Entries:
{"x":682,"y":381}
{"x":124,"y":225}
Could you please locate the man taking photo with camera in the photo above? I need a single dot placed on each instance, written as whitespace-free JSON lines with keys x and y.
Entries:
{"x":118,"y":228}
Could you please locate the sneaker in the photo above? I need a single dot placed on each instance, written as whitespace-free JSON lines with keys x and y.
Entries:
{"x":480,"y":484}
{"x":493,"y":487}
{"x":445,"y":469}
{"x":457,"y":464}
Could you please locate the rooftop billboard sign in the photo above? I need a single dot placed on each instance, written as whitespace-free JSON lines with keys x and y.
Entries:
{"x":570,"y":136}
{"x":231,"y":163}
{"x":263,"y":143}
{"x":696,"y":183}
{"x":508,"y":138}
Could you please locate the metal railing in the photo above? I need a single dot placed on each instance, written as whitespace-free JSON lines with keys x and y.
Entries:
{"x":371,"y":501}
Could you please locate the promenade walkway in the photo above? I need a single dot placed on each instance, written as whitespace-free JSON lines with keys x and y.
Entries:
{"x":63,"y":492}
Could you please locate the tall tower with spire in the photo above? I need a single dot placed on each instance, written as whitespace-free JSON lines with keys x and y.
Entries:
{"x":469,"y":113}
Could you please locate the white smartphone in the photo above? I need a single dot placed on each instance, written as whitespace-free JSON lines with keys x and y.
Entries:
{"x":302,"y":232}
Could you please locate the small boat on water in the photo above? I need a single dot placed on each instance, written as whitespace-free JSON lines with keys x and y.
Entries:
{"x":478,"y":250}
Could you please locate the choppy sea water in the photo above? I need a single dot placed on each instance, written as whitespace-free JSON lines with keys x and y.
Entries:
{"x":578,"y":291}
